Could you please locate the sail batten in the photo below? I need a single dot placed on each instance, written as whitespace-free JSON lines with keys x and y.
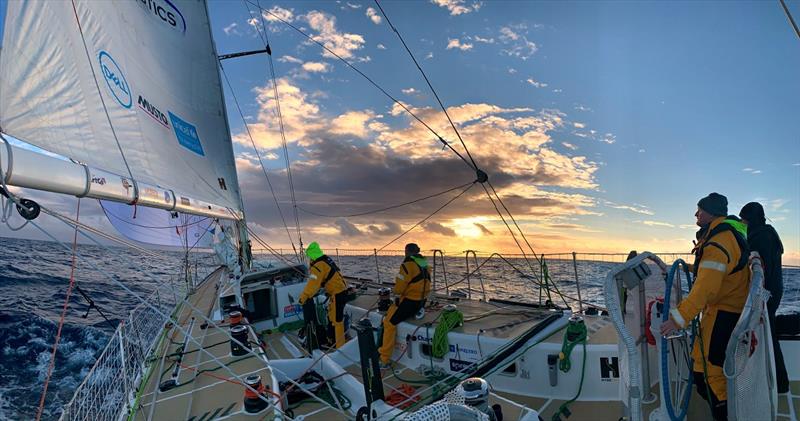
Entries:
{"x":110,"y":82}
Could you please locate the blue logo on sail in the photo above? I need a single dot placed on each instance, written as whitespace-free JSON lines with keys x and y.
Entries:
{"x":115,"y":80}
{"x":186,"y":134}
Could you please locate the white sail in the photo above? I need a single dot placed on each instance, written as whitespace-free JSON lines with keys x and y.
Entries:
{"x":129,"y":87}
{"x":157,"y":226}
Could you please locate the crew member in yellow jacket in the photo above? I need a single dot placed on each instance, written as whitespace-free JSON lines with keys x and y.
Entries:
{"x":325,"y":274}
{"x":720,"y":289}
{"x":412,"y":286}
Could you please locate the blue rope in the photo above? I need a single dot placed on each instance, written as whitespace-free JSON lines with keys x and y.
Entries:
{"x":664,"y":350}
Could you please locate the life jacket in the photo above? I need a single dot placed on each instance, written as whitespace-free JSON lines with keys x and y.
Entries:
{"x":412,"y":288}
{"x":331,"y":273}
{"x":739,"y":231}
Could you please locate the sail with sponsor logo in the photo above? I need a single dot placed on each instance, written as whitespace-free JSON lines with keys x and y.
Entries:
{"x":129,"y":92}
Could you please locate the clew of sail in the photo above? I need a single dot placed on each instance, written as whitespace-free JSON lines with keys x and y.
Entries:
{"x":131,"y":89}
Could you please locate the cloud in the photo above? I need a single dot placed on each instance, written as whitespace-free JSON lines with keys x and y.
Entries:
{"x":569,"y":146}
{"x":278,"y":12}
{"x":410,"y":91}
{"x":429,"y":56}
{"x":290,"y":59}
{"x":608,"y":138}
{"x":353,"y":6}
{"x":536,"y":84}
{"x":456,"y":43}
{"x":484,"y":230}
{"x":355,"y":123}
{"x":637,"y":209}
{"x":580,"y":107}
{"x":516,"y":43}
{"x":381,"y":47}
{"x":300,"y":116}
{"x":342,"y":44}
{"x":388,"y":228}
{"x":373,"y":15}
{"x":457,"y":7}
{"x":477,"y":38}
{"x":656,"y":224}
{"x":751,"y":170}
{"x":346,"y":228}
{"x":578,"y":125}
{"x":316,"y":67}
{"x":512,"y":70}
{"x":438,"y":228}
{"x":359,"y":160}
{"x":231,"y":29}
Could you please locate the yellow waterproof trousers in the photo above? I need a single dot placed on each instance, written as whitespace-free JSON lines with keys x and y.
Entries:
{"x":337,"y":320}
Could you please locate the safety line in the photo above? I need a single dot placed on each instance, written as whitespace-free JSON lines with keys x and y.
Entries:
{"x":63,"y":315}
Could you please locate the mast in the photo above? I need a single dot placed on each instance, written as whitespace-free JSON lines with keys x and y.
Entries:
{"x":245,"y":253}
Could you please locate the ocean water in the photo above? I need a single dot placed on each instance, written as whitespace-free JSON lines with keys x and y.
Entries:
{"x":34,"y":276}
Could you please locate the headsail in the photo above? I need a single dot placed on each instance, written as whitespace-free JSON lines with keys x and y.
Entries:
{"x":156,"y":226}
{"x":129,"y":87}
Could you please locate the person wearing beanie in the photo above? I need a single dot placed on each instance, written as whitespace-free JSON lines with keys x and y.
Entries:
{"x":412,"y":286}
{"x":324,"y":274}
{"x":763,"y":239}
{"x":719,"y":291}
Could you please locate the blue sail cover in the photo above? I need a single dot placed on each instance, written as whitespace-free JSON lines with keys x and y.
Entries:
{"x":160,"y":227}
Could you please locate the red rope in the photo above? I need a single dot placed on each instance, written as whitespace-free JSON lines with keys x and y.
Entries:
{"x":402,"y":397}
{"x":63,"y":314}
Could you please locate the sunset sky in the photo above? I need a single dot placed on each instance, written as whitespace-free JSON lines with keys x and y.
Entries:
{"x":600,"y":124}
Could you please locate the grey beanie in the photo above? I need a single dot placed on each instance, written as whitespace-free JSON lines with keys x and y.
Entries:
{"x":715,"y":204}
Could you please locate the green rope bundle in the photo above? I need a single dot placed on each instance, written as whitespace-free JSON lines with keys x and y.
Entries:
{"x":576,"y":334}
{"x":450,"y":319}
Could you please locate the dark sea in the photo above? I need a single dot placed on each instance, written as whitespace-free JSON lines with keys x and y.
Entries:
{"x":34,"y":276}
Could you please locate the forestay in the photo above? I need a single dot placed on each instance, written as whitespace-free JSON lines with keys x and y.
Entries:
{"x":128,"y":87}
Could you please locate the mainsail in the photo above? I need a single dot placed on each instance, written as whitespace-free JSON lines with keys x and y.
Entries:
{"x":131,"y":89}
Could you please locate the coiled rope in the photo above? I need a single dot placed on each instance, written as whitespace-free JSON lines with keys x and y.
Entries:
{"x":451,"y":318}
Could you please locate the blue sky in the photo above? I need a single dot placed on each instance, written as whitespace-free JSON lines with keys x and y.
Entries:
{"x":695,"y":96}
{"x":602,"y":123}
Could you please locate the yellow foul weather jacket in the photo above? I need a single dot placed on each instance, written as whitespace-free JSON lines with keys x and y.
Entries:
{"x":323,"y":274}
{"x":719,"y":292}
{"x":412,"y":281}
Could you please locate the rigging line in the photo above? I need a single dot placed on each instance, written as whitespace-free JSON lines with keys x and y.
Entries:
{"x":119,"y":218}
{"x":474,"y":165}
{"x":261,"y":163}
{"x":452,"y":124}
{"x":166,"y":316}
{"x":791,"y":19}
{"x":283,"y":130}
{"x":100,"y":94}
{"x":388,"y":207}
{"x":375,"y":84}
{"x":143,"y":301}
{"x":511,"y":231}
{"x":274,"y":252}
{"x":429,"y":216}
{"x":63,"y":315}
{"x":513,"y":236}
{"x":72,"y":222}
{"x":515,"y":223}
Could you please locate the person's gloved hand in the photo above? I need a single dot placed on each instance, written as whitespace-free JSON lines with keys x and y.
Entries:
{"x":397,"y":301}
